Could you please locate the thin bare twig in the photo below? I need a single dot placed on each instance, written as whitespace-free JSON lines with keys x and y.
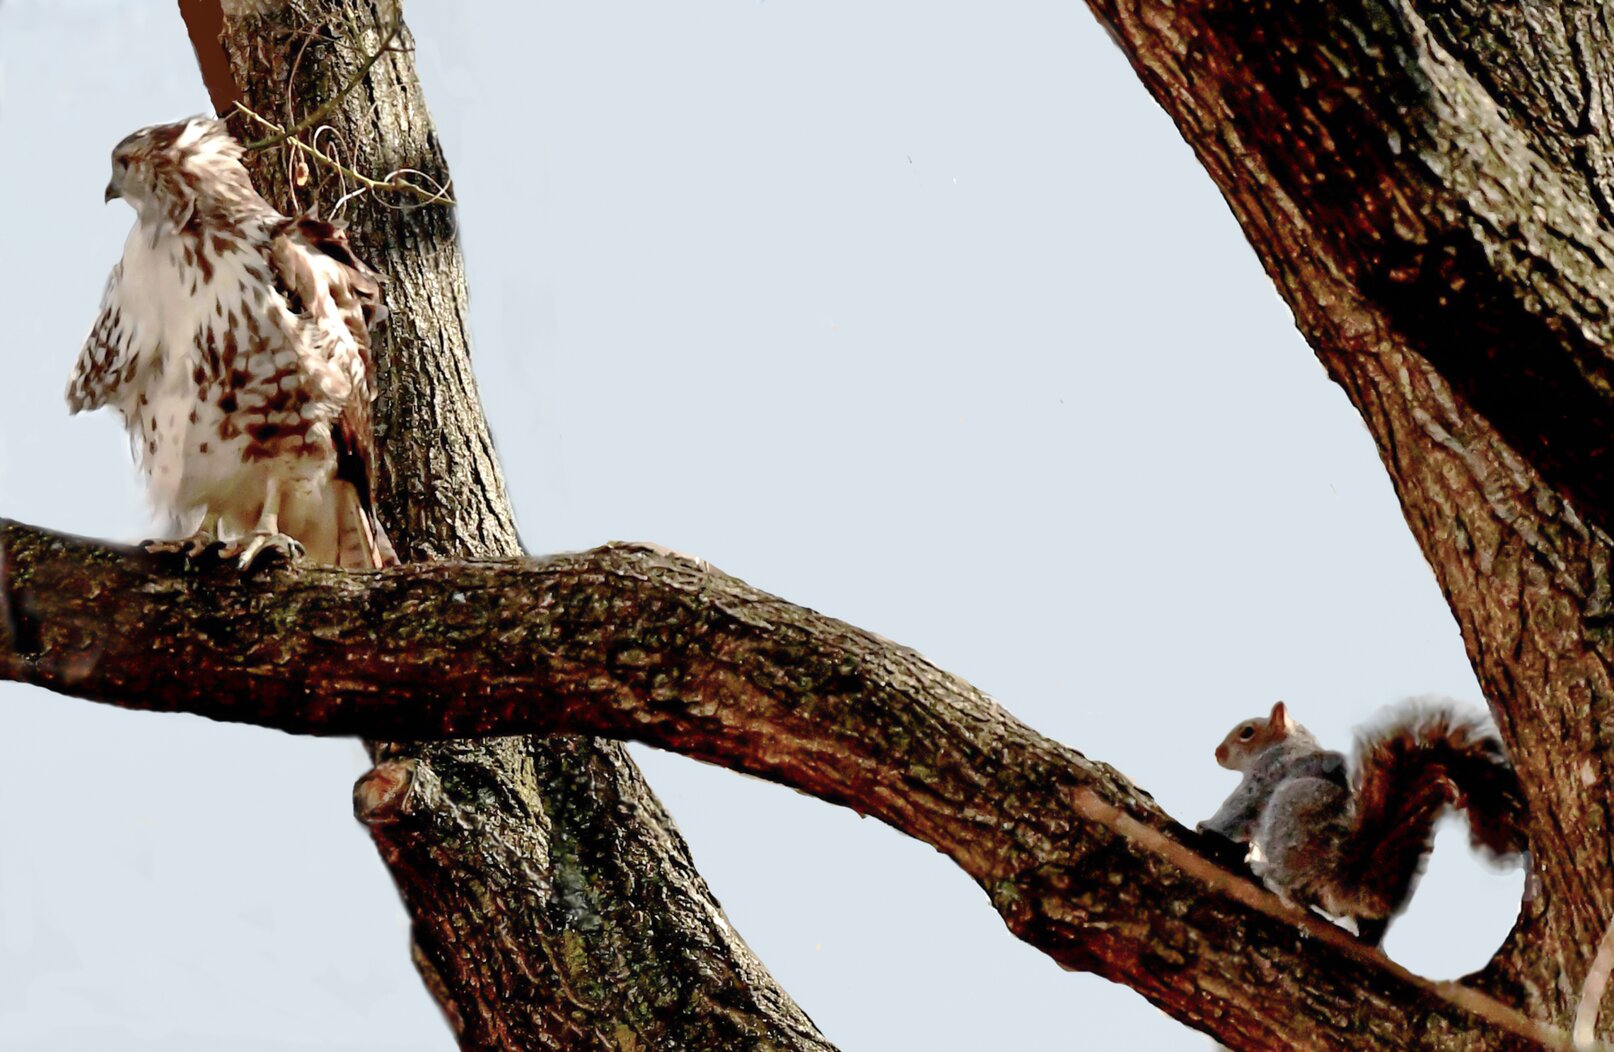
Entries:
{"x":1591,"y":994}
{"x":394,"y":183}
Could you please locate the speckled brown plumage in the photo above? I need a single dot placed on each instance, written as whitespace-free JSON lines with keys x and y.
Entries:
{"x":235,"y":342}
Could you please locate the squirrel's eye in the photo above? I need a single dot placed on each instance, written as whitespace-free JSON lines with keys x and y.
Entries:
{"x":1247,"y":732}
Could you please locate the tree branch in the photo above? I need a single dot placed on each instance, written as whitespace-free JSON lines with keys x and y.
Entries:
{"x":204,"y":22}
{"x":629,"y":642}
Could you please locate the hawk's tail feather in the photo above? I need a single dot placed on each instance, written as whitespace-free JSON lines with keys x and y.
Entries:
{"x":361,"y":543}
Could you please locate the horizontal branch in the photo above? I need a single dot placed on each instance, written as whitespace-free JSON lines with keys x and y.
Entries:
{"x":635,"y":643}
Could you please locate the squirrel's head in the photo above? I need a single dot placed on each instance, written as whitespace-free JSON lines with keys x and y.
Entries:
{"x":1246,"y":741}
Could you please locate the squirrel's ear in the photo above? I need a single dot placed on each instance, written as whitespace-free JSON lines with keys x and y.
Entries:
{"x":1280,"y":715}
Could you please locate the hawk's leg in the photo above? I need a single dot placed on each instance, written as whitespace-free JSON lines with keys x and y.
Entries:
{"x":266,"y":535}
{"x":193,"y":547}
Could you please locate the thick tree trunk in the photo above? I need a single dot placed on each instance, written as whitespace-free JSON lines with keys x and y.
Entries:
{"x":1428,"y":183}
{"x":1448,"y":160}
{"x":554,"y":903}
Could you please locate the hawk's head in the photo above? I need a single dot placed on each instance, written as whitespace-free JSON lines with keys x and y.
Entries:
{"x":168,"y":170}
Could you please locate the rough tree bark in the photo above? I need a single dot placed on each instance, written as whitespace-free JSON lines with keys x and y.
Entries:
{"x":1429,"y":183}
{"x":654,"y":647}
{"x":554,"y":904}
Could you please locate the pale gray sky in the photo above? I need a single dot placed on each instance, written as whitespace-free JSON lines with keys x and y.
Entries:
{"x":918,"y":313}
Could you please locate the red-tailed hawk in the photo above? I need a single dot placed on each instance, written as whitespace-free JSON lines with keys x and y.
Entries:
{"x":235,"y":342}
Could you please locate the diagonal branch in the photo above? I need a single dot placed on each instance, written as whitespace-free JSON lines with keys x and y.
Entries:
{"x":630,"y":642}
{"x":1428,"y":184}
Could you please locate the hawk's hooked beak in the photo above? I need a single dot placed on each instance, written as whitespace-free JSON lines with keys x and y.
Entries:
{"x":112,"y":193}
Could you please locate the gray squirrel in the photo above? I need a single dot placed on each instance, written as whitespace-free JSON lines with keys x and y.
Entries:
{"x":1350,"y":838}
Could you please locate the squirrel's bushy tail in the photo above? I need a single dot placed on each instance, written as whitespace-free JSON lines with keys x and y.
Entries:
{"x":1422,"y":758}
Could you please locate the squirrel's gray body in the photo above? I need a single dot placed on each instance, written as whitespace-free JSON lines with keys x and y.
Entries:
{"x":1297,"y":759}
{"x":1350,"y":836}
